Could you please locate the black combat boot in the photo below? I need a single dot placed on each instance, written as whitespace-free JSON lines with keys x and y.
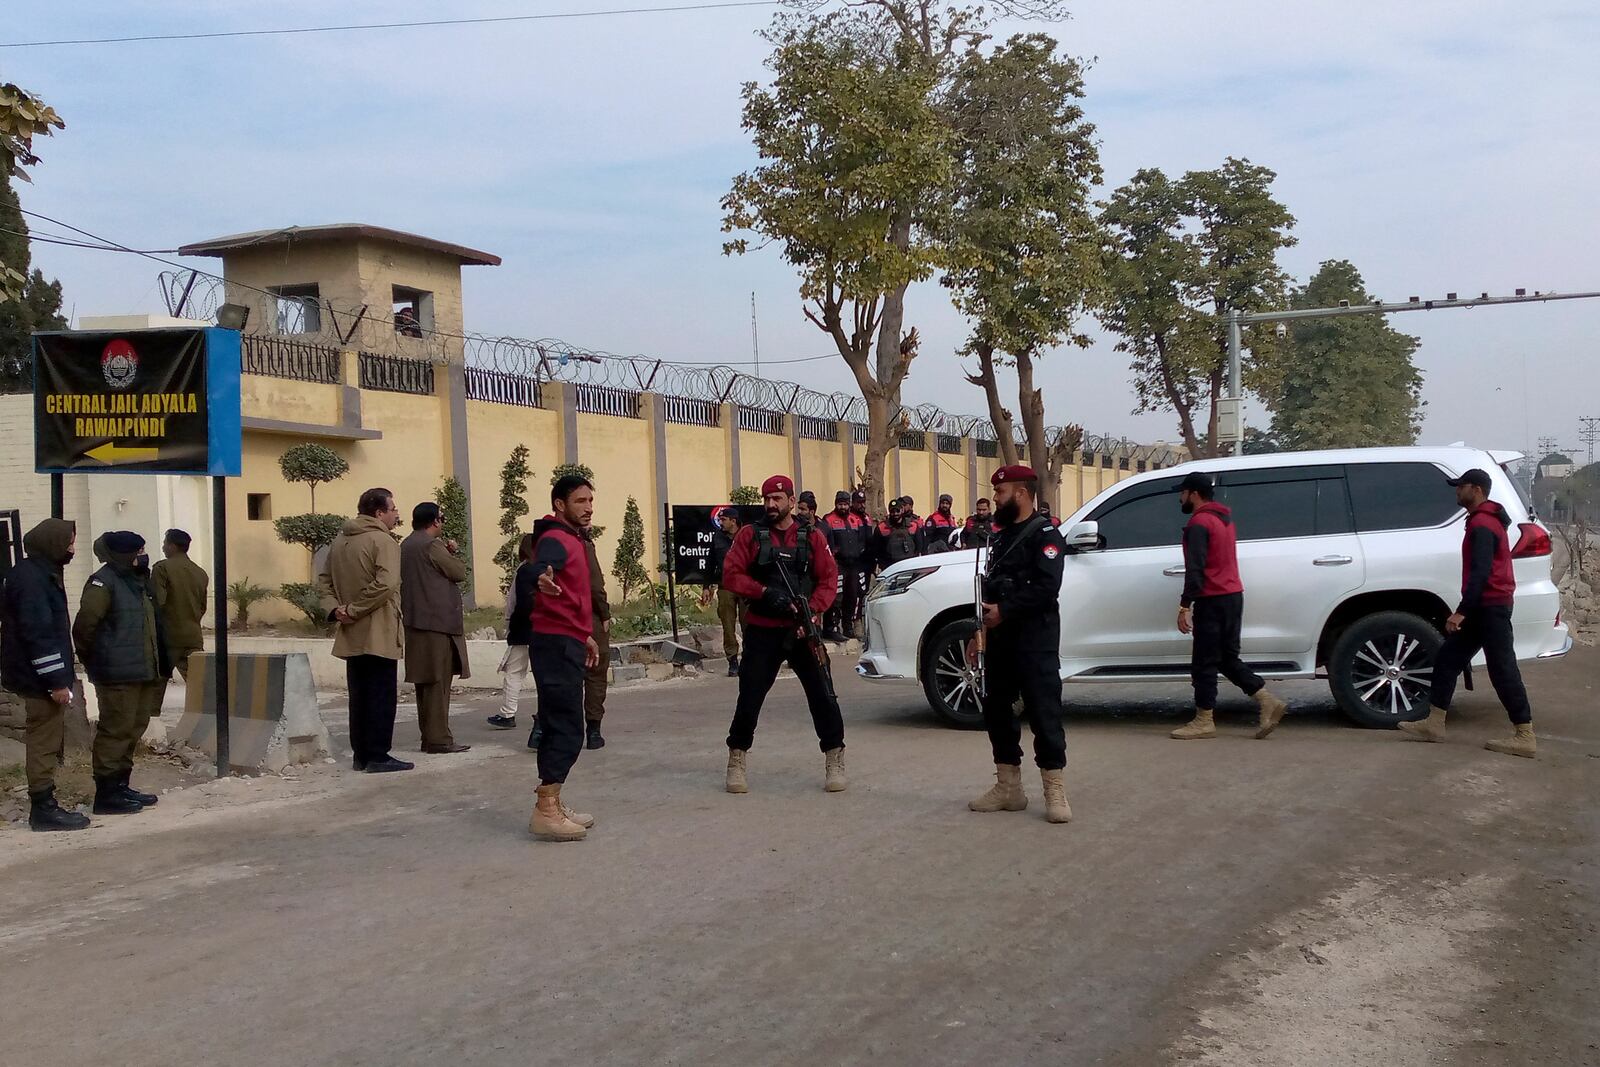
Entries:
{"x":46,"y":814}
{"x":536,"y":736}
{"x":594,"y":739}
{"x":147,"y":799}
{"x":733,"y":665}
{"x":109,"y":798}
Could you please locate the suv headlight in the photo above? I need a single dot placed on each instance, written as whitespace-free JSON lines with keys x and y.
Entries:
{"x":896,"y":584}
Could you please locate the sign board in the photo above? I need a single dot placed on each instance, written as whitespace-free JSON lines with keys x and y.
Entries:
{"x":693,"y":526}
{"x":162,"y":401}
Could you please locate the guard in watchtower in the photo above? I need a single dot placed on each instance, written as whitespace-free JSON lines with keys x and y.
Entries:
{"x":788,"y":576}
{"x":1022,"y":646}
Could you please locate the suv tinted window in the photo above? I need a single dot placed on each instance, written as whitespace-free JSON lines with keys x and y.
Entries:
{"x":1286,"y":502}
{"x":1143,"y":516}
{"x":1399,"y":496}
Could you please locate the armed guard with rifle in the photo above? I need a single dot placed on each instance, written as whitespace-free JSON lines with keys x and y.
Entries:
{"x":1018,"y":646}
{"x":786,"y":573}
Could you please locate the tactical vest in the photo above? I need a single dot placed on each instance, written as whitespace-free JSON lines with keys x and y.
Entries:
{"x":795,"y":561}
{"x":899,"y":542}
{"x":124,"y":644}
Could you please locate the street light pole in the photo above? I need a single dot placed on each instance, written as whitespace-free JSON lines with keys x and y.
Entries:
{"x":1237,"y":320}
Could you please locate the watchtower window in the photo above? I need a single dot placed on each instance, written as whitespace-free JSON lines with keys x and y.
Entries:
{"x":413,"y":311}
{"x":298,"y":309}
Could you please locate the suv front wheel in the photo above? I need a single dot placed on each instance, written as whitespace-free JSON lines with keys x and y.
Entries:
{"x":1381,"y":668}
{"x":949,"y":684}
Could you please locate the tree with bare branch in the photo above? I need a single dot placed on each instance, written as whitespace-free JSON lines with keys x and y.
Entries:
{"x":1026,"y":244}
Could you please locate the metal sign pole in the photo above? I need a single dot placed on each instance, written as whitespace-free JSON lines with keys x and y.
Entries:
{"x":219,"y":567}
{"x":58,"y":496}
{"x":672,"y":566}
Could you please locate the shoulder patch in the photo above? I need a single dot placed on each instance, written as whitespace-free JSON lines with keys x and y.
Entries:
{"x":1051,"y":551}
{"x":96,"y":581}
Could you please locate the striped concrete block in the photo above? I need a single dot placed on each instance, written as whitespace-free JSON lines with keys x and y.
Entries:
{"x":273,"y":720}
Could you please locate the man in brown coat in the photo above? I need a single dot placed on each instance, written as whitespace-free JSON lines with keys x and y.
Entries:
{"x":360,"y":588}
{"x":596,"y":678}
{"x":430,"y":602}
{"x":180,"y":588}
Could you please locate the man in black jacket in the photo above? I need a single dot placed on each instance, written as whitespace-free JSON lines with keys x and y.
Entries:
{"x":36,"y":662}
{"x":119,"y":640}
{"x":729,"y":607}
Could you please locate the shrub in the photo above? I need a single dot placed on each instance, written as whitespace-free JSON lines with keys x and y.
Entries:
{"x":303,"y":595}
{"x":452,"y":500}
{"x":312,"y":465}
{"x":244,"y":595}
{"x":310,"y":532}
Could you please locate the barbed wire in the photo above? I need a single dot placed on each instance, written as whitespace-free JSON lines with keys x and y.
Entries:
{"x":197,"y":295}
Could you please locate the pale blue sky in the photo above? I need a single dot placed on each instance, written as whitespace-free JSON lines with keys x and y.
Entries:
{"x":1439,"y":146}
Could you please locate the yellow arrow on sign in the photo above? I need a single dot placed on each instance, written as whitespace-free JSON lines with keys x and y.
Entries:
{"x":110,"y":453}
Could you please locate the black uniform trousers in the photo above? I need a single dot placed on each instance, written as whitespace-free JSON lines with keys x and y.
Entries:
{"x":846,"y":609}
{"x":558,"y":673}
{"x":1010,"y":670}
{"x":1487,"y":628}
{"x":1218,"y":621}
{"x":766,"y":649}
{"x":374,"y":684}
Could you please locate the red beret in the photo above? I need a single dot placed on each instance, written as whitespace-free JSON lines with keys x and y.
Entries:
{"x":1015,"y":473}
{"x":778,"y":483}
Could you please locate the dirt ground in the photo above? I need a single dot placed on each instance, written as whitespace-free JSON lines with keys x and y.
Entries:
{"x":1331,"y":896}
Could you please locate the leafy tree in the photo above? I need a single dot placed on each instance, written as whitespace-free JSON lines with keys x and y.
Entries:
{"x":312,"y":465}
{"x":627,"y":567}
{"x":1181,"y":255}
{"x":30,"y":303}
{"x":1026,"y":244}
{"x":1258,"y":442}
{"x":244,"y":595}
{"x":855,"y":164}
{"x":1345,"y":382}
{"x":744,"y":494}
{"x":23,"y":117}
{"x":513,"y":506}
{"x":311,"y":532}
{"x":457,"y":526}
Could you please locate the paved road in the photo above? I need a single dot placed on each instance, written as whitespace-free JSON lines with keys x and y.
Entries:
{"x":1331,"y":896}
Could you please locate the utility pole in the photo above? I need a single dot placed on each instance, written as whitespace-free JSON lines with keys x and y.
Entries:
{"x":1237,"y":320}
{"x":755,"y":341}
{"x":1589,"y":430}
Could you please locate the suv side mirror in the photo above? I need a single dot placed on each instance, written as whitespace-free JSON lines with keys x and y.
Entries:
{"x":1083,"y":535}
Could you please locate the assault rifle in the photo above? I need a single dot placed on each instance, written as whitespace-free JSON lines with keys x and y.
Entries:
{"x":814,"y":641}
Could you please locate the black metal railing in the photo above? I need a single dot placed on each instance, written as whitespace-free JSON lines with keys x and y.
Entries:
{"x":301,"y":361}
{"x":914,"y":441}
{"x":606,"y":400}
{"x":757,"y":420}
{"x":815,"y":429}
{"x":859,"y":433}
{"x":690,"y":412}
{"x":987,"y":449}
{"x":495,"y":387}
{"x":950,"y":444}
{"x":396,"y":374}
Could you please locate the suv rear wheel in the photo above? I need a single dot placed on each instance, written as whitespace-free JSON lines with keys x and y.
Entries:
{"x":950,"y":685}
{"x":1381,"y":667}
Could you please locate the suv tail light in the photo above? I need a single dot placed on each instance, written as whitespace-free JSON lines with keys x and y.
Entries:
{"x":1535,"y":541}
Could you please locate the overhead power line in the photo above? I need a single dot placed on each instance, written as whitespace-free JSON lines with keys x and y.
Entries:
{"x":285,"y":30}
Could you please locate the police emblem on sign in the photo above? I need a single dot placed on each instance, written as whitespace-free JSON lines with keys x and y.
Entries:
{"x":119,"y":363}
{"x":1051,"y":552}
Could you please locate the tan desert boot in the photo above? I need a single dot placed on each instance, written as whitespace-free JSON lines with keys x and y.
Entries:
{"x":833,"y":769}
{"x":1429,"y":729}
{"x":585,"y":821}
{"x":1197,"y":728}
{"x":548,"y":823}
{"x":1272,"y":710}
{"x":1006,"y":794}
{"x":736,"y":776}
{"x":1055,"y":797}
{"x":1520,"y":743}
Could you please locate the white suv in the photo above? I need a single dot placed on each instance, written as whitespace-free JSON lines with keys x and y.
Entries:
{"x":1351,"y":562}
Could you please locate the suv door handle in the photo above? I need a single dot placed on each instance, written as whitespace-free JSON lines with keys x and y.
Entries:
{"x":1331,"y":561}
{"x":1174,"y":572}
